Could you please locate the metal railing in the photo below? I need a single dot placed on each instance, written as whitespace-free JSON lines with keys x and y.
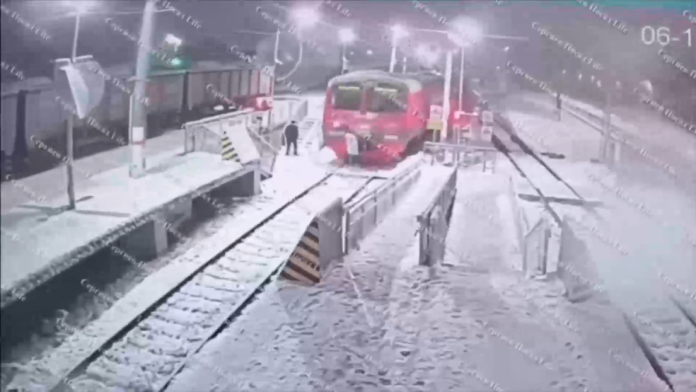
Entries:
{"x":434,"y":223}
{"x":206,"y":134}
{"x":464,"y":154}
{"x":363,"y":215}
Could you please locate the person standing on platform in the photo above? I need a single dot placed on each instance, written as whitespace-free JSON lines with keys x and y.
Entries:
{"x":352,"y":148}
{"x":291,"y":135}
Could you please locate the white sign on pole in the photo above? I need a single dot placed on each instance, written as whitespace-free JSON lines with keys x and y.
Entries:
{"x":86,"y":86}
{"x":487,"y":117}
{"x":138,"y":134}
{"x":436,"y":112}
{"x":486,"y":133}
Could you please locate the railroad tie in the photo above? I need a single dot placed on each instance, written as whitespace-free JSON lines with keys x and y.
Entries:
{"x":228,"y":151}
{"x":303,"y":265}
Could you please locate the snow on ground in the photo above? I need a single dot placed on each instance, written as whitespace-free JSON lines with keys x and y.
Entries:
{"x":639,"y":241}
{"x":52,"y":183}
{"x":116,"y":199}
{"x":322,"y":338}
{"x":292,"y":175}
{"x":642,"y":127}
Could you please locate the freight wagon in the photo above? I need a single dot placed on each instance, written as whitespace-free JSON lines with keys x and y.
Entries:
{"x":172,"y":97}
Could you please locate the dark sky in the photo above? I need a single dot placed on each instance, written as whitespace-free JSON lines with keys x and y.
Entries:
{"x":225,"y":23}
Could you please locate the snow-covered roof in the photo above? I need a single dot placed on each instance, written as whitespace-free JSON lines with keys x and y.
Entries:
{"x":359,"y":76}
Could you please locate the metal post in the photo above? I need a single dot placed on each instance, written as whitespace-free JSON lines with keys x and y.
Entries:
{"x":70,"y":123}
{"x":606,"y":134}
{"x":392,"y":63}
{"x":273,"y":79}
{"x":461,"y":79}
{"x":275,"y":50}
{"x":446,"y":97}
{"x":138,"y":114}
{"x":343,"y":58}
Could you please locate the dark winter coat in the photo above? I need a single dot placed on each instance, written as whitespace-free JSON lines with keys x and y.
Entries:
{"x":292,"y":132}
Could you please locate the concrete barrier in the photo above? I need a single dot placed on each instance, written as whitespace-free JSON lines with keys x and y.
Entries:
{"x":363,"y":215}
{"x":539,"y":242}
{"x":319,"y":246}
{"x":434,"y":223}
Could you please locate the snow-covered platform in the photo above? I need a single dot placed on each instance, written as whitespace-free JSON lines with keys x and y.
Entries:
{"x":41,"y":239}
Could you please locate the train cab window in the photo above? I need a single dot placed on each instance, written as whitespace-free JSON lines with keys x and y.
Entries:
{"x":347,"y":96}
{"x":388,"y":98}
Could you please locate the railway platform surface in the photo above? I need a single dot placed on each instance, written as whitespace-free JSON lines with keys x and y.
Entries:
{"x":52,"y":183}
{"x":292,"y":176}
{"x":40,"y":240}
{"x":382,"y":322}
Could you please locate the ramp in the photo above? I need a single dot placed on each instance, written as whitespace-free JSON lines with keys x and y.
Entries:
{"x":320,"y":244}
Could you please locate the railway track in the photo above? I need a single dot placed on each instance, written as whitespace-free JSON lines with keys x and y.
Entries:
{"x":147,"y":355}
{"x":665,"y":334}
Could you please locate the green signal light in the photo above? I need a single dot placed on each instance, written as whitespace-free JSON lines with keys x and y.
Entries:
{"x":175,"y":62}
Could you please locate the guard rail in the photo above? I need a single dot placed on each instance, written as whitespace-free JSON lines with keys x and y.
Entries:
{"x":363,"y":215}
{"x":434,"y":223}
{"x":462,"y":153}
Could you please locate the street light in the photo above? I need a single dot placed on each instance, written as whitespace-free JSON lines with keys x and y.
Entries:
{"x":347,"y":37}
{"x":465,"y":32}
{"x":172,"y":40}
{"x":398,"y":32}
{"x":305,"y":17}
{"x":80,"y":8}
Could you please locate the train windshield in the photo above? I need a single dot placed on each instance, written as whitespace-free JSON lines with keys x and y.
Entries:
{"x":347,"y":96}
{"x":388,"y":98}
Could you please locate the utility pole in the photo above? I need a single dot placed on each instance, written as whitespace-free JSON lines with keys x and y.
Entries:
{"x":403,"y":66}
{"x":461,"y":79}
{"x":606,"y":126}
{"x":392,"y":63}
{"x":446,"y":97}
{"x":70,"y":123}
{"x":137,"y":123}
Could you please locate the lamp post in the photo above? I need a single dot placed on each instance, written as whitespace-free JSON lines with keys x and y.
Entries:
{"x":346,"y":36}
{"x":80,"y":8}
{"x":137,"y":123}
{"x":398,"y":32}
{"x":446,"y":97}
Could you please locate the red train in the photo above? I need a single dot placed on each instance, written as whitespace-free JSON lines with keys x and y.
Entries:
{"x":392,"y":114}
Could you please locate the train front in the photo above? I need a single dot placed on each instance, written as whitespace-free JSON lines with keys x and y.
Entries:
{"x":373,"y":109}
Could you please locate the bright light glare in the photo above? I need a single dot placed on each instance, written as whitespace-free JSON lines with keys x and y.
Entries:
{"x":369,"y":52}
{"x":306,"y":17}
{"x":346,"y":36}
{"x":466,"y":30}
{"x":176,"y":62}
{"x":80,"y":6}
{"x":172,"y":40}
{"x":427,"y":56}
{"x":399,"y":32}
{"x":506,"y":49}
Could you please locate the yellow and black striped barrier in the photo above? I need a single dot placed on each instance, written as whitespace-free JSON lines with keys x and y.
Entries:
{"x":320,"y":245}
{"x":228,"y":151}
{"x":304,"y":263}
